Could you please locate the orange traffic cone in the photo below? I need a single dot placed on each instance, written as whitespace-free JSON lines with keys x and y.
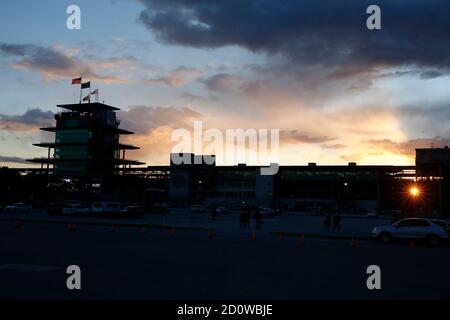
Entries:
{"x":209,"y":234}
{"x":353,"y":243}
{"x":253,"y":236}
{"x":412,"y":245}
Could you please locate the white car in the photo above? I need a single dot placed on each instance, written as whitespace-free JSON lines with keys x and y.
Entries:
{"x":431,"y":230}
{"x":18,"y":207}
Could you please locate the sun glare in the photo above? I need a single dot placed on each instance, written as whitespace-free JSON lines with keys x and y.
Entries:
{"x":414,"y":191}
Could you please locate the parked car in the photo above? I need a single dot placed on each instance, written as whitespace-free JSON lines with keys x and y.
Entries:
{"x":431,"y":230}
{"x":371,"y":214}
{"x":222,"y":210}
{"x":157,"y":208}
{"x":40,"y":205}
{"x":76,"y":209}
{"x":134,"y":211}
{"x":269,"y":212}
{"x":163,"y":205}
{"x":18,"y":207}
{"x":316,"y":211}
{"x":277,"y":212}
{"x":197,"y":209}
{"x":265,"y":212}
{"x":106,"y":208}
{"x":55,"y":209}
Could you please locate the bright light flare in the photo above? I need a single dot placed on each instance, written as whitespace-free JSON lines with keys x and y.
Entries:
{"x":414,"y":191}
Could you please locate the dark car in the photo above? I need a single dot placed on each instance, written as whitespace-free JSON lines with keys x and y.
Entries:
{"x":133,"y":211}
{"x":55,"y":209}
{"x":157,"y":208}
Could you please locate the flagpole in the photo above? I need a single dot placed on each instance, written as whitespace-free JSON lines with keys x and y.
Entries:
{"x":81,"y":86}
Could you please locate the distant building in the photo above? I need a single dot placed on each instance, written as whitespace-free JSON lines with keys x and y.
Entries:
{"x":348,"y":188}
{"x":86,"y":142}
{"x":192,"y":181}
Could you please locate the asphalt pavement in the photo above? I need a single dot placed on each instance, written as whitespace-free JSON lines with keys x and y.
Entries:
{"x":358,"y":227}
{"x":119,"y":262}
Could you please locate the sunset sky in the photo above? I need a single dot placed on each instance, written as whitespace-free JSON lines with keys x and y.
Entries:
{"x":337,"y":91}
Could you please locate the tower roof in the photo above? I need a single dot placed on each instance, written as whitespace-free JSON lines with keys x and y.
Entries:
{"x":84,"y":107}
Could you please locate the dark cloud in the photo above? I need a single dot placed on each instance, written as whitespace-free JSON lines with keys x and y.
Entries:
{"x":143,"y":119}
{"x":30,"y":120}
{"x":190,"y":97}
{"x":430,"y":74}
{"x":13,"y":160}
{"x":222,"y":82}
{"x":295,"y":136}
{"x":47,"y":58}
{"x":177,"y":77}
{"x":408,"y":147}
{"x":427,"y":118}
{"x":55,"y":63}
{"x":333,"y":146}
{"x":329,"y":35}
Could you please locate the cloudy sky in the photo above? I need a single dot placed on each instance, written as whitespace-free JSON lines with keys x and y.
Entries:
{"x":337,"y":91}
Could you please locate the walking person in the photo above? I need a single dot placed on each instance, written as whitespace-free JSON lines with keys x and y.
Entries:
{"x":258,"y":219}
{"x":248,"y":217}
{"x":242,"y":220}
{"x":214,"y":213}
{"x":327,"y":222}
{"x":337,"y":223}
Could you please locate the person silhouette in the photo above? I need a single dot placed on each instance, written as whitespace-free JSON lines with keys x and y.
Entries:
{"x":337,"y":223}
{"x":327,"y":222}
{"x":258,"y":219}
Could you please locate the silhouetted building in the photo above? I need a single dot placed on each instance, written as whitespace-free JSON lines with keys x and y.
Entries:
{"x":433,"y":173}
{"x":347,"y":188}
{"x":191,"y":181}
{"x":86,"y":142}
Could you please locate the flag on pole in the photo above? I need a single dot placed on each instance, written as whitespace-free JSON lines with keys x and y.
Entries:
{"x":87,"y":98}
{"x":86,"y":85}
{"x":77,"y":80}
{"x":95,"y":93}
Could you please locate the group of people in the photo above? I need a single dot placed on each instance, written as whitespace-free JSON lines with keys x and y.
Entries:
{"x":246,"y":217}
{"x":332,"y":219}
